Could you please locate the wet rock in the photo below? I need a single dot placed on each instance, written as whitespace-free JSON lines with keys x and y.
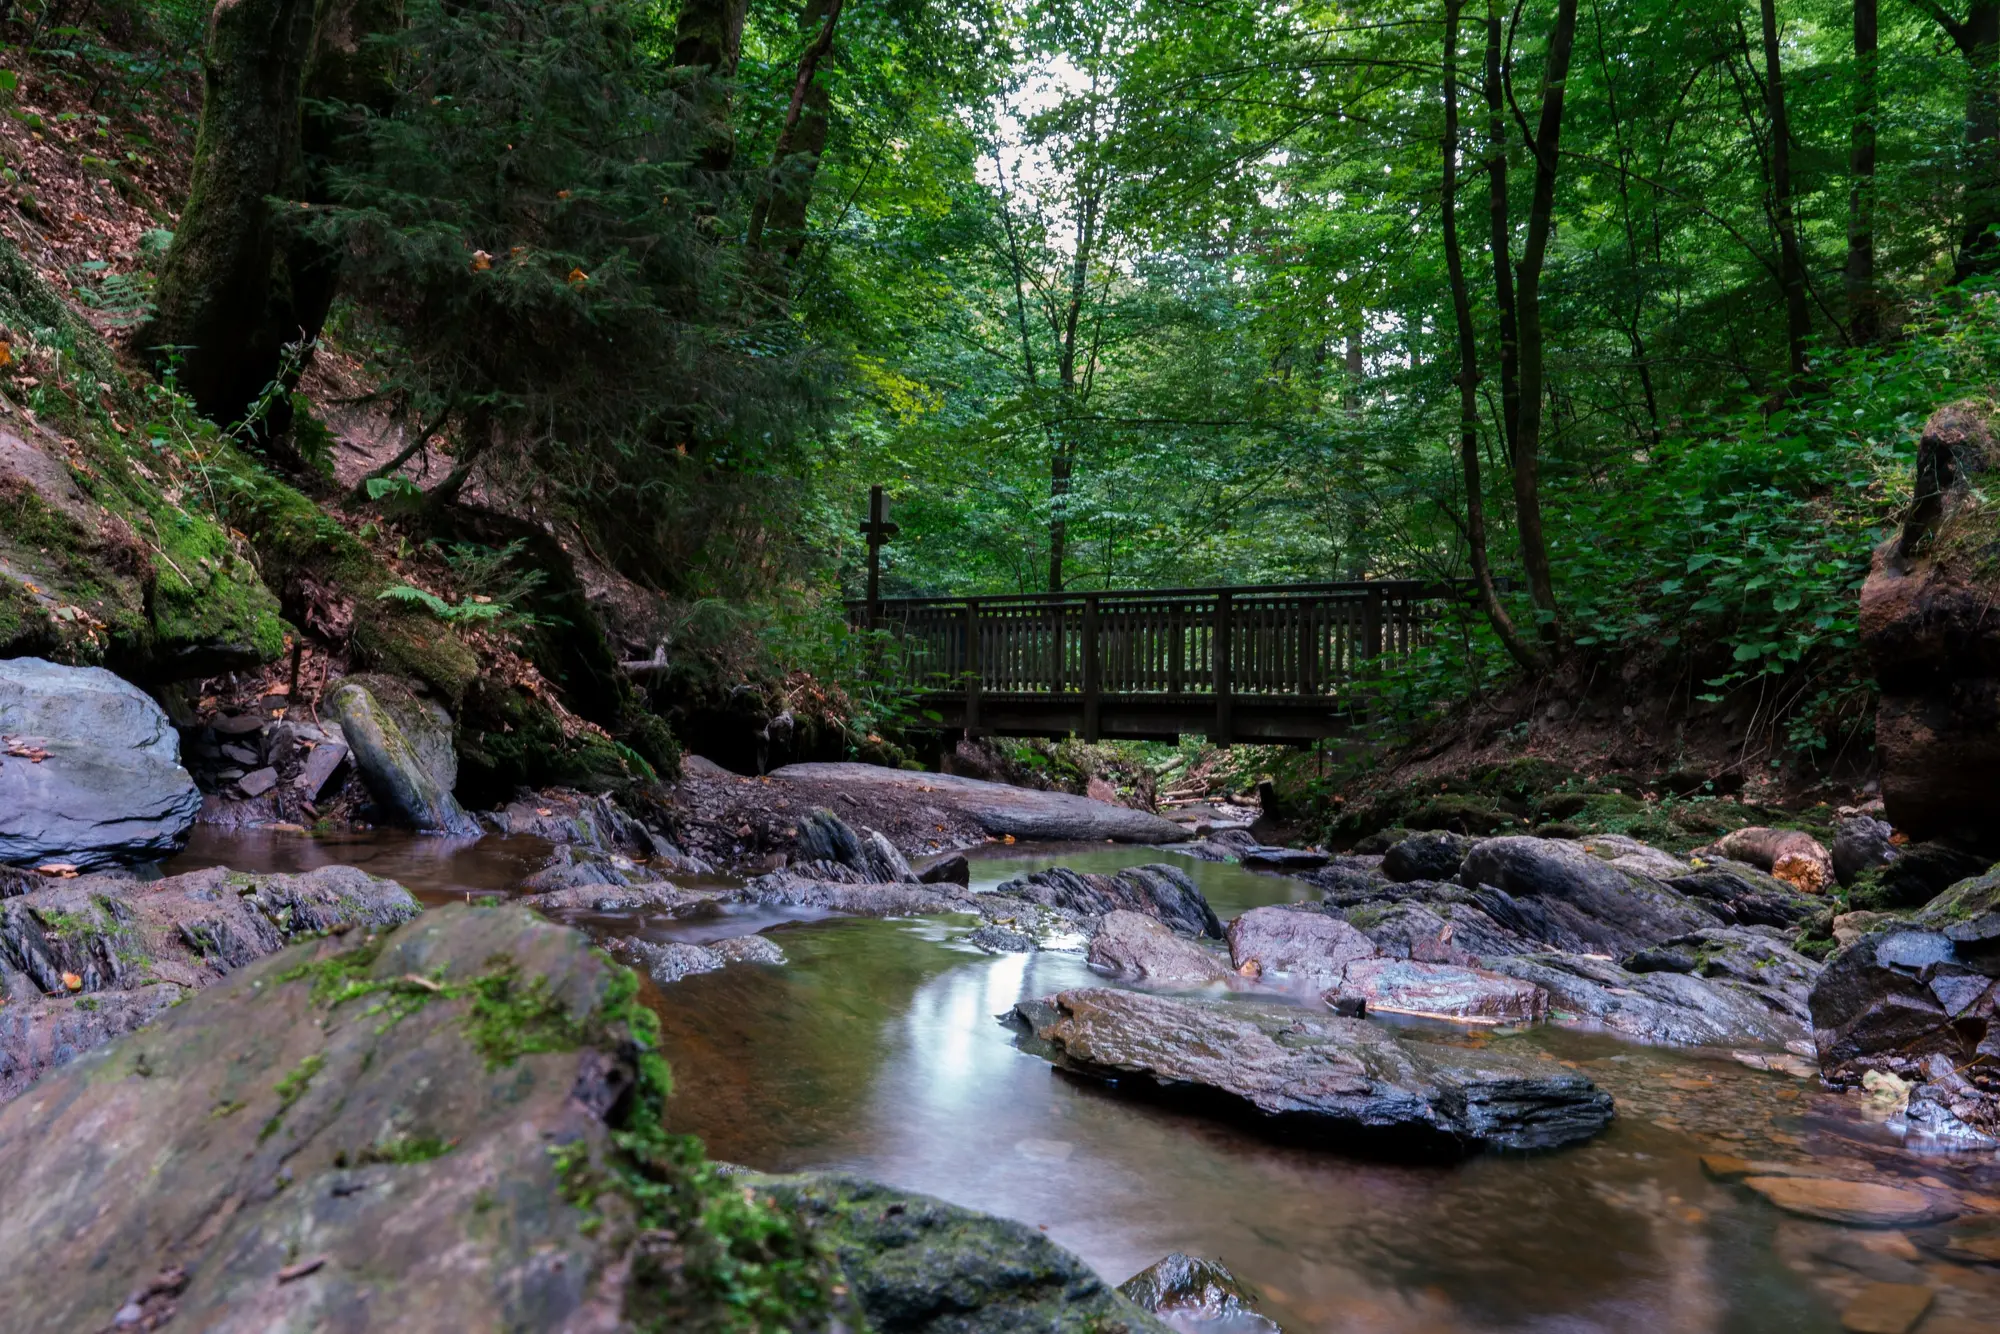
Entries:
{"x":996,"y":807}
{"x":1920,"y":872}
{"x":1346,"y":881}
{"x":1746,"y":989}
{"x":1575,"y":901}
{"x":1136,"y":946}
{"x":257,"y":782}
{"x":402,"y":746}
{"x":997,"y":939}
{"x":1629,"y":854}
{"x":1860,"y":844}
{"x":917,"y":1264}
{"x":784,"y":889}
{"x":1158,"y":891}
{"x":95,"y":776}
{"x":134,"y":947}
{"x":591,"y":822}
{"x":1928,"y":628}
{"x":1887,"y":1308}
{"x":1740,"y":894}
{"x":1795,"y":857}
{"x":321,"y":764}
{"x":1440,"y":991}
{"x":1266,"y":858}
{"x":826,"y":838}
{"x":1442,"y":923}
{"x":1295,"y":947}
{"x":667,"y":962}
{"x":1197,"y":1293}
{"x":1856,"y":1203}
{"x":1436,"y":855}
{"x":952,"y":870}
{"x":1915,"y":988}
{"x":1970,"y":1240}
{"x":1337,"y":1082}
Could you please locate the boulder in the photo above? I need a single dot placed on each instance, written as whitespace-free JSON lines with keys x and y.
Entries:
{"x":1790,"y":855}
{"x":90,"y":769}
{"x":1910,"y":989}
{"x":1198,"y":1293}
{"x":85,"y":960}
{"x":1861,"y":843}
{"x":1331,"y":1081}
{"x":1575,"y":901}
{"x":1264,"y":857}
{"x":1346,"y":881}
{"x":1447,"y":925}
{"x":1919,"y":873}
{"x":1928,"y":627}
{"x":1295,"y":947}
{"x":787,"y":889}
{"x":1158,"y":890}
{"x":1629,"y":854}
{"x":1740,"y":894}
{"x":1439,"y":991}
{"x":952,"y":870}
{"x":402,"y":745}
{"x":1133,"y":945}
{"x":997,"y":808}
{"x":1436,"y":855}
{"x":458,"y":1125}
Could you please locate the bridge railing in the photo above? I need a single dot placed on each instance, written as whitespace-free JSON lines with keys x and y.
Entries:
{"x":1299,"y":642}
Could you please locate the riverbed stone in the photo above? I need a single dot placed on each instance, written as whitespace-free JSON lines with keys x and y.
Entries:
{"x":1332,"y":1081}
{"x":1191,"y":1291}
{"x":1440,"y":991}
{"x":1297,"y":947}
{"x":402,"y":744}
{"x":1133,"y":945}
{"x":786,"y":889}
{"x":90,"y":769}
{"x":1855,"y":1203}
{"x":1887,"y":1308}
{"x":667,"y":962}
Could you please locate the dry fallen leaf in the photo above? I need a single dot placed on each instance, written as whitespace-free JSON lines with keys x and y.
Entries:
{"x":577,"y":277}
{"x":301,"y":1269}
{"x":72,"y":981}
{"x":481,"y":261}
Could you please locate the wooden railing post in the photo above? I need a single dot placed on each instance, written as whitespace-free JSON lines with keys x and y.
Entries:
{"x":972,"y":667}
{"x":1220,"y":646}
{"x":1091,"y":684}
{"x":1371,"y":625}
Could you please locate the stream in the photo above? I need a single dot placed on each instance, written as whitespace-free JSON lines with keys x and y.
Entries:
{"x":877,"y":1051}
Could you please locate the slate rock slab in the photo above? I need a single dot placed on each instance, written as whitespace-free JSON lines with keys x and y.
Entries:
{"x":402,"y":745}
{"x":1133,"y":945}
{"x":111,"y":788}
{"x":1339,"y":1083}
{"x":1441,"y":991}
{"x":996,"y":807}
{"x":1856,"y":1203}
{"x":1295,"y":946}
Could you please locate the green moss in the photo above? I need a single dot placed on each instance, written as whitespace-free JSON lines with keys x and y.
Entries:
{"x":403,"y":1149}
{"x":290,"y":1089}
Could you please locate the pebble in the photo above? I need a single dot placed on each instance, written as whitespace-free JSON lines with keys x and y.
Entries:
{"x":1887,"y":1308}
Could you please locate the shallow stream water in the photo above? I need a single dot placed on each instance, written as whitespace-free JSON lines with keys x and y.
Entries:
{"x":877,"y":1050}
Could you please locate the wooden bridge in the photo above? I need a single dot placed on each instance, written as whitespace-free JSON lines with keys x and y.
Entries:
{"x":1268,"y":663}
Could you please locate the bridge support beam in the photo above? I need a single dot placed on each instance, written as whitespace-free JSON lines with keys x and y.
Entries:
{"x":1093,"y":686}
{"x":1225,"y":723}
{"x":974,"y":669}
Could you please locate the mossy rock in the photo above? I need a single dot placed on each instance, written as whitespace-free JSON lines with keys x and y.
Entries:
{"x":1463,"y":815}
{"x":510,"y":739}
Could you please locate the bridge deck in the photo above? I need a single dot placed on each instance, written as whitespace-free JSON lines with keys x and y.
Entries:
{"x":1269,"y":663}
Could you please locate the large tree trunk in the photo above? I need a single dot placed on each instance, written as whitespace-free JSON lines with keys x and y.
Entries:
{"x":1534,"y":251}
{"x":1978,"y":40}
{"x":1503,"y":262}
{"x":781,"y":209}
{"x":1863,"y":308}
{"x":1791,"y":262}
{"x":709,"y":36}
{"x":228,"y":300}
{"x":1468,"y":360}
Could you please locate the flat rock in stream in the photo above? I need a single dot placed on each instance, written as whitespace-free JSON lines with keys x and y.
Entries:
{"x":1341,"y":1083}
{"x":667,"y":962}
{"x":1285,"y":946}
{"x":997,"y":808}
{"x":86,"y":960}
{"x":1159,"y":891}
{"x":1440,"y":991}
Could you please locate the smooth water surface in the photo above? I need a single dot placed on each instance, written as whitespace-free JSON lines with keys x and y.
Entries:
{"x":878,"y":1050}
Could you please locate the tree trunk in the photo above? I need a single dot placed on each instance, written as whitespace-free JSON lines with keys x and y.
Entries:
{"x":225,"y":305}
{"x":1863,"y":310}
{"x":1791,"y":263}
{"x":795,"y":158}
{"x":1979,"y":39}
{"x":1534,"y":251}
{"x":1503,"y":262}
{"x":1468,"y":360}
{"x":709,"y":36}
